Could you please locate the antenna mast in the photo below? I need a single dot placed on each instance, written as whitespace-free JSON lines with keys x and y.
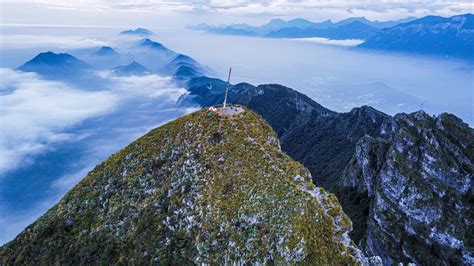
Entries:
{"x":227,"y":88}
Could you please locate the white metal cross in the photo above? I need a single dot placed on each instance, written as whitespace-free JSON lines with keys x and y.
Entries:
{"x":227,"y":89}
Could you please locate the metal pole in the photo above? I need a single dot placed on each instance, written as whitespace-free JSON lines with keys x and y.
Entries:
{"x":227,"y":89}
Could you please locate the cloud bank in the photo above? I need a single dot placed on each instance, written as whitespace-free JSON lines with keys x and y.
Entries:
{"x":347,"y":43}
{"x":153,"y":86}
{"x":34,"y":114}
{"x":25,"y":41}
{"x":39,"y":116}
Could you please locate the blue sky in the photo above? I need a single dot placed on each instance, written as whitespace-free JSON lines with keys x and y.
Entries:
{"x":166,"y":13}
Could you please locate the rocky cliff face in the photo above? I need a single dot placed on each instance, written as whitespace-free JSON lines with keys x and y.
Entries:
{"x":204,"y":188}
{"x":421,"y":190}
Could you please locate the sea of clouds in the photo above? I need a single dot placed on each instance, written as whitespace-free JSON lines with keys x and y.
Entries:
{"x":53,"y":132}
{"x":48,"y":125}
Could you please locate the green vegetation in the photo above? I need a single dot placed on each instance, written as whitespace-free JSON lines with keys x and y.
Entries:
{"x":200,"y":189}
{"x":419,"y":184}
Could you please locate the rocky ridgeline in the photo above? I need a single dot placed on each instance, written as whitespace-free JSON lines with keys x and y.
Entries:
{"x":205,"y":189}
{"x":421,"y":190}
{"x":404,"y":181}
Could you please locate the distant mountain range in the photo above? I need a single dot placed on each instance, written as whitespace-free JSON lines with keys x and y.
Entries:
{"x":352,"y":30}
{"x":449,"y":37}
{"x":158,"y":59}
{"x":434,"y":35}
{"x":137,"y":31}
{"x":358,"y":27}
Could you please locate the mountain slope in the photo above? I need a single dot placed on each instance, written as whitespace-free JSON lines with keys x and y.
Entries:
{"x":321,"y":139}
{"x":52,"y":64}
{"x":132,"y":69}
{"x":105,"y":51}
{"x":154,"y":46}
{"x":183,"y":67}
{"x":204,"y":188}
{"x":279,"y":28}
{"x":375,"y":23}
{"x":353,"y":30}
{"x":451,"y":37}
{"x":329,"y":145}
{"x":421,"y":190}
{"x":233,"y":31}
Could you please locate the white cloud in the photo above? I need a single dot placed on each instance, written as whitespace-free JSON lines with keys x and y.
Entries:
{"x":348,"y":42}
{"x":148,"y":85}
{"x":23,"y":41}
{"x":34,"y":114}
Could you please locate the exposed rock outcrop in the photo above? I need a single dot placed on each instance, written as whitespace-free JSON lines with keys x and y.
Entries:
{"x":421,"y":190}
{"x":427,"y":162}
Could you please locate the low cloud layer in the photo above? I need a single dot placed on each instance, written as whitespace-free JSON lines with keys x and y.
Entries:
{"x":40,"y":117}
{"x":153,"y":86}
{"x":347,"y":43}
{"x":34,"y":114}
{"x":25,"y":41}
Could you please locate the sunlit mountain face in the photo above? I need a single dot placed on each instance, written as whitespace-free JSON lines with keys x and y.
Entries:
{"x":331,"y":89}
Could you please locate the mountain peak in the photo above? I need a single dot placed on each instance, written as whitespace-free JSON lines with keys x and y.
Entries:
{"x":50,"y":57}
{"x":49,"y":63}
{"x":137,"y":31}
{"x":299,"y":20}
{"x":185,"y":58}
{"x":423,"y":36}
{"x":205,"y":188}
{"x":105,"y":51}
{"x":147,"y":42}
{"x":132,"y":69}
{"x":152,"y":44}
{"x":423,"y":152}
{"x":365,"y":109}
{"x":277,"y":20}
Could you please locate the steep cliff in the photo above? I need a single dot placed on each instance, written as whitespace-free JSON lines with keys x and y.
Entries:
{"x":348,"y":154}
{"x":421,"y":190}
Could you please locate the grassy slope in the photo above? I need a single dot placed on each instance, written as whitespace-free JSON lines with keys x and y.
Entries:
{"x":202,"y":188}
